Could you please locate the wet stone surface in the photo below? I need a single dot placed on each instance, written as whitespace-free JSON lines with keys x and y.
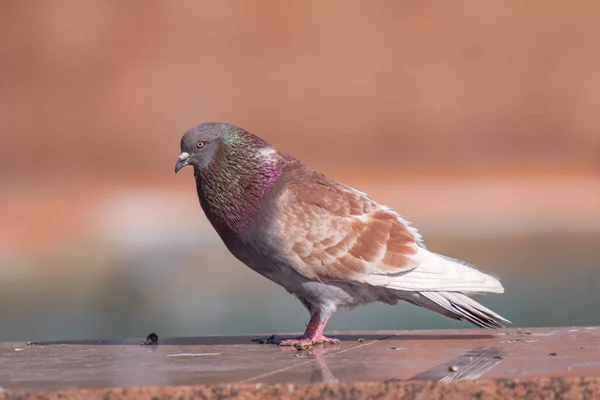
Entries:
{"x":379,"y":356}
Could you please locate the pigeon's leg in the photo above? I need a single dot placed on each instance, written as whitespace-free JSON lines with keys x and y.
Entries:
{"x":313,"y":333}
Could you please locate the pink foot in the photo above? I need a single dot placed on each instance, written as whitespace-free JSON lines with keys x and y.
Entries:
{"x":307,"y":340}
{"x":312,"y":335}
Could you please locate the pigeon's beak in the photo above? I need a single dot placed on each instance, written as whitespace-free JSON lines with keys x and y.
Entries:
{"x":182,"y":161}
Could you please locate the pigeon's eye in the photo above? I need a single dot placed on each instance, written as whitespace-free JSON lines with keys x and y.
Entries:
{"x":200,"y":144}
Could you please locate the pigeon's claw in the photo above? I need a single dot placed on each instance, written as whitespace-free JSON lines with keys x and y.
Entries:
{"x":313,"y":333}
{"x":307,"y":340}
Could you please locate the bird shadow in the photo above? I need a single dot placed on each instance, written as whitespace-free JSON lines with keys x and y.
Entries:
{"x":250,"y":339}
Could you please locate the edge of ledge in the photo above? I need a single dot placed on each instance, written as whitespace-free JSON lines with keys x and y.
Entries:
{"x":542,"y":388}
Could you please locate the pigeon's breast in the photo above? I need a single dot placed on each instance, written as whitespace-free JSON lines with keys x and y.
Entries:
{"x":260,"y":248}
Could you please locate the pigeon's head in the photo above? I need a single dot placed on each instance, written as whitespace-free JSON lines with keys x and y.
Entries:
{"x":200,"y":144}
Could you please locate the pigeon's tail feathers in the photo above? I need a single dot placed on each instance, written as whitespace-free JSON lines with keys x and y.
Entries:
{"x":443,"y":285}
{"x":459,"y":306}
{"x":435,"y":272}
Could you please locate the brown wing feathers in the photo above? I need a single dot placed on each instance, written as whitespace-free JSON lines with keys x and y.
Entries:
{"x":333,"y":232}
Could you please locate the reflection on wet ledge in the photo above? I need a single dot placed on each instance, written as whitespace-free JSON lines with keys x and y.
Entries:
{"x":321,"y":372}
{"x":469,"y":366}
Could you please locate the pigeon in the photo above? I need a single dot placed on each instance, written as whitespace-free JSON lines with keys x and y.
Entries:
{"x":329,"y":245}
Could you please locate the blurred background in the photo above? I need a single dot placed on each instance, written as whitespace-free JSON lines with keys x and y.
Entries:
{"x":477,"y":121}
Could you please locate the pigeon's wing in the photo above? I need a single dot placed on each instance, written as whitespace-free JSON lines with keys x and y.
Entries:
{"x":332,"y":232}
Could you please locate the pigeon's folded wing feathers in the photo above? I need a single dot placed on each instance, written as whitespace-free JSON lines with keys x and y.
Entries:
{"x":332,"y":232}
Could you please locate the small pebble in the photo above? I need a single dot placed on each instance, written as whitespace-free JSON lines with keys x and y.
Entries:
{"x":453,"y":368}
{"x":361,"y":340}
{"x":396,"y":348}
{"x":303,"y":346}
{"x":524,"y":333}
{"x":151,"y":340}
{"x":553,"y":354}
{"x":499,"y":357}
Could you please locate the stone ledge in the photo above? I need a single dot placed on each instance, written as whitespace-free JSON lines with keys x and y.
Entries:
{"x":531,"y":363}
{"x":543,"y":389}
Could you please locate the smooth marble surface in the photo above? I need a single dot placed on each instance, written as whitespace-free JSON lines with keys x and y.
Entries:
{"x":383,"y":356}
